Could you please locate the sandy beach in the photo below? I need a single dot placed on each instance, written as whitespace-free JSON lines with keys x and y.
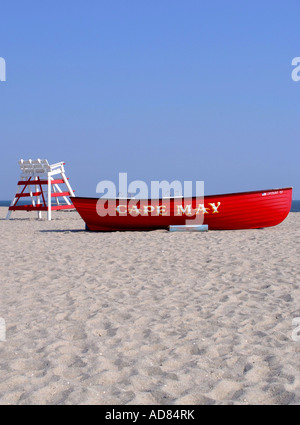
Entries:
{"x":148,"y":317}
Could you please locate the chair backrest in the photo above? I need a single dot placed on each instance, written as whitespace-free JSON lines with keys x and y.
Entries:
{"x":38,"y":166}
{"x":26,"y":167}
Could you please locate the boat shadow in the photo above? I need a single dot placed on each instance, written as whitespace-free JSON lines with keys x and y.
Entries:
{"x":63,"y":231}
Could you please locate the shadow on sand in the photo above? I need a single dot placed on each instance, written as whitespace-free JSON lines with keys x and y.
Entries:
{"x":63,"y":231}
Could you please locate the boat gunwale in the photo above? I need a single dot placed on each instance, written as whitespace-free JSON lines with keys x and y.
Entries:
{"x":174,"y":198}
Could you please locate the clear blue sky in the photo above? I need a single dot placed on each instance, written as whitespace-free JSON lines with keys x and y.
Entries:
{"x":187,"y":90}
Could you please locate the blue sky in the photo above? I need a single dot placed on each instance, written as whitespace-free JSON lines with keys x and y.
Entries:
{"x":162,"y":90}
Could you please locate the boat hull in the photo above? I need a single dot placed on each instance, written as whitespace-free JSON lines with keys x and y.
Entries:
{"x":245,"y":210}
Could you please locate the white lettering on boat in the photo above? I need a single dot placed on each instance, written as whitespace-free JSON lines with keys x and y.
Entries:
{"x":187,"y":210}
{"x":275,"y":192}
{"x":163,"y":210}
{"x":214,"y":207}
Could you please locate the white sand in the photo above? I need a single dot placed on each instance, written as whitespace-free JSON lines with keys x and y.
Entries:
{"x":148,"y":317}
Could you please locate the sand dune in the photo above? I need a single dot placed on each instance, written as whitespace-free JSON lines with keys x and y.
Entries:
{"x":148,"y":317}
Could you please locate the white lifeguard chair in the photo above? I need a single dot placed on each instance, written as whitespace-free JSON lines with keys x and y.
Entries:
{"x":39,"y":173}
